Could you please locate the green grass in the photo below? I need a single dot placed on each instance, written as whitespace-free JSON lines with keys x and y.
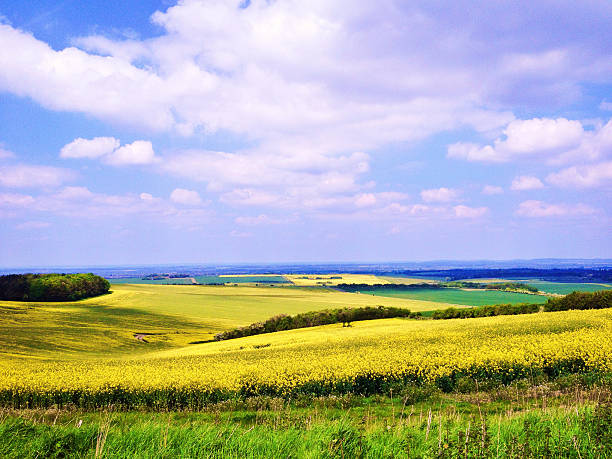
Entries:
{"x":459,"y":296}
{"x":550,"y":419}
{"x":175,"y":315}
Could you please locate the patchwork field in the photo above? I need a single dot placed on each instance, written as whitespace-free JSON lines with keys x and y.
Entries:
{"x":132,"y":373}
{"x":165,"y":315}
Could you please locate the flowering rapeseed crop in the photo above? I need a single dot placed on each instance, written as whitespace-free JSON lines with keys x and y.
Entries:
{"x":366,"y":358}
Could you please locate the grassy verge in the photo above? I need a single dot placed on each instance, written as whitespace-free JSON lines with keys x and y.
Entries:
{"x":567,"y":417}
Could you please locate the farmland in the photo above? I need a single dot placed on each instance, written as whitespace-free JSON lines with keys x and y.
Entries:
{"x":172,"y":315}
{"x":459,"y":296}
{"x":387,"y":384}
{"x":369,"y":357}
{"x":335,"y":279}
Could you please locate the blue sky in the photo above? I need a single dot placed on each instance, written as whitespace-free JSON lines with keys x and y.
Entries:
{"x":229,"y":131}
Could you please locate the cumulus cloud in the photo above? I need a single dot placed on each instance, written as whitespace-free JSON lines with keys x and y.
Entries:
{"x":187,"y":197}
{"x":81,"y":203}
{"x":89,"y":148}
{"x":492,"y":189}
{"x":554,"y":140}
{"x":537,"y":209}
{"x":108,"y":149}
{"x":469,"y":212}
{"x":440,"y":195}
{"x":526,"y":182}
{"x":308,"y":86}
{"x":591,"y":175}
{"x":537,"y":136}
{"x":30,"y":176}
{"x":138,"y":152}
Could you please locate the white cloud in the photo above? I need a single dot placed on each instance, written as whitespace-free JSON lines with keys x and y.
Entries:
{"x":27,"y":176}
{"x":492,"y":189}
{"x":440,"y":195}
{"x":301,"y":84}
{"x":89,"y":148}
{"x":81,"y":203}
{"x":108,"y":149}
{"x":526,"y":182}
{"x":469,"y":212}
{"x":537,"y":136}
{"x":15,"y":200}
{"x":537,"y":209}
{"x":591,"y":175}
{"x":138,"y":152}
{"x":187,"y":197}
{"x":473,"y":152}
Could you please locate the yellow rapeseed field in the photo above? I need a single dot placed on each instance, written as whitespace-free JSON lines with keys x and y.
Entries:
{"x":327,"y":356}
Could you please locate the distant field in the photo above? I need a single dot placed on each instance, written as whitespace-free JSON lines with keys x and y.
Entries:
{"x":335,"y":279}
{"x":139,"y":280}
{"x":223,"y":279}
{"x":176,"y":315}
{"x":458,"y":296}
{"x":487,"y":280}
{"x":564,"y":288}
{"x":242,"y":279}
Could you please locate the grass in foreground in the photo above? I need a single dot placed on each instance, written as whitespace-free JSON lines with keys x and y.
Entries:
{"x":561,"y":418}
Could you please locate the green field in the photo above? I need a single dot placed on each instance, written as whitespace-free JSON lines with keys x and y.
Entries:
{"x":459,"y":296}
{"x":139,"y":280}
{"x":174,"y":316}
{"x":563,"y":288}
{"x":264,"y":279}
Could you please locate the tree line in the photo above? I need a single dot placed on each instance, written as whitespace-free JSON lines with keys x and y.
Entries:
{"x":576,"y":300}
{"x":51,"y":287}
{"x":438,"y":285}
{"x":315,"y":318}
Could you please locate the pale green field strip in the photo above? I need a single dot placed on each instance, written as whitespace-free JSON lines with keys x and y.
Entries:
{"x":563,"y":288}
{"x":459,"y":296}
{"x":175,"y":315}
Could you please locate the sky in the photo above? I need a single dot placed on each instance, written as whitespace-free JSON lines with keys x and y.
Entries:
{"x":212,"y":131}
